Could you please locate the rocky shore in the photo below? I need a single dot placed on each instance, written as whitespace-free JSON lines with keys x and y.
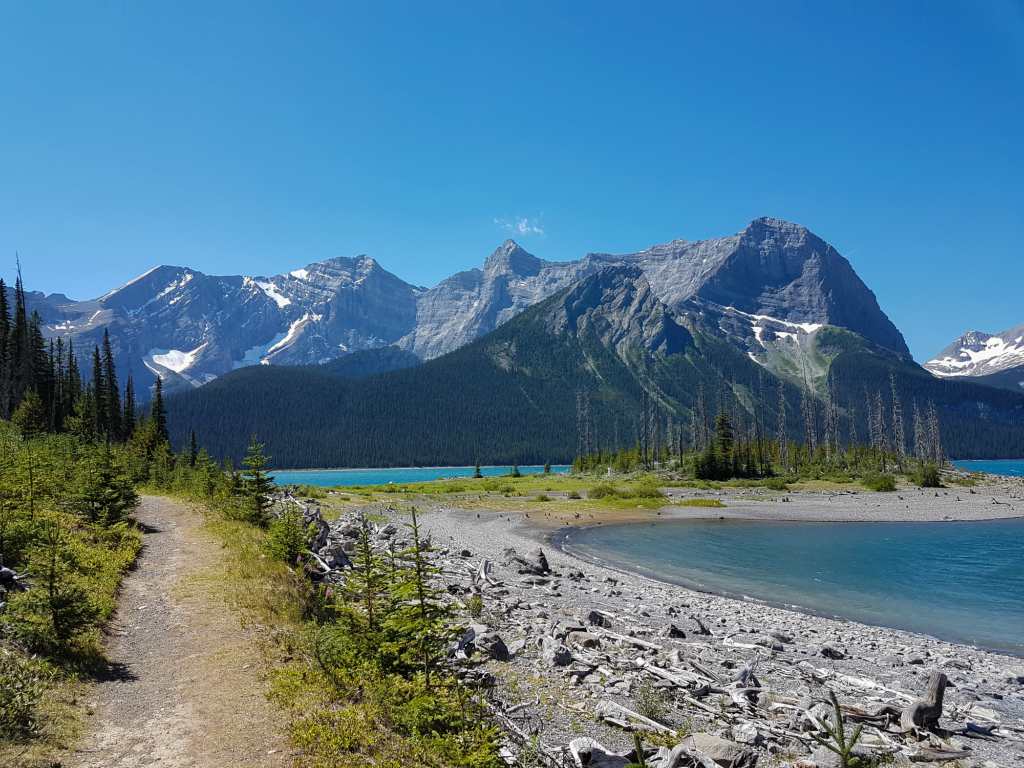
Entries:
{"x":579,"y":651}
{"x":577,"y":658}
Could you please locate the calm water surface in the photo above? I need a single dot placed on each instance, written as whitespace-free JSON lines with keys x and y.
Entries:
{"x":1011,"y":467}
{"x":957,"y":581}
{"x":397,"y":475}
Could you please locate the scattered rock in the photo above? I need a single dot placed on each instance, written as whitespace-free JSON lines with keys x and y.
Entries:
{"x":833,"y":652}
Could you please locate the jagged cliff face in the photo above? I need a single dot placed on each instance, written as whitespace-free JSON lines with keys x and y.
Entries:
{"x":618,"y":309}
{"x":764,"y":287}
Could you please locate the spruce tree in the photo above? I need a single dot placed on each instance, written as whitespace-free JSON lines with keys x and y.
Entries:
{"x":724,"y":438}
{"x":30,"y":417}
{"x":99,"y":389}
{"x":158,"y":411}
{"x":193,"y":449}
{"x":128,"y":419}
{"x":418,"y":627}
{"x":111,"y":394}
{"x":107,"y":495}
{"x":257,"y":483}
{"x":5,"y":353}
{"x":20,"y":348}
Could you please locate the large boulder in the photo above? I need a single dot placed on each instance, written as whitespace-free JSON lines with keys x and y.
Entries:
{"x":587,"y":753}
{"x":727,"y":754}
{"x":554,"y":654}
{"x":491,"y":645}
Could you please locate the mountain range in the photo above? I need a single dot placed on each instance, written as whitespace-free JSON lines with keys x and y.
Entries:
{"x":768,"y":288}
{"x":608,"y":342}
{"x":343,"y":363}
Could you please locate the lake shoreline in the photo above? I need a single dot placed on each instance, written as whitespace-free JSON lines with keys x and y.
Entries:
{"x":561,"y":540}
{"x":877,"y":658}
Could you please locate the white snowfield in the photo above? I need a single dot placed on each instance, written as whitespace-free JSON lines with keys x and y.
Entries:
{"x":160,"y":361}
{"x":979,"y":354}
{"x":271,"y":290}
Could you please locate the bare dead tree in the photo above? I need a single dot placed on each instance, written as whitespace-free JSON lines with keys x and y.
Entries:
{"x":782,"y":435}
{"x":920,"y":435}
{"x":899,"y":438}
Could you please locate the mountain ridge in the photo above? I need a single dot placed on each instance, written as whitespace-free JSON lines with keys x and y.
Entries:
{"x":190,"y":327}
{"x":513,"y":395}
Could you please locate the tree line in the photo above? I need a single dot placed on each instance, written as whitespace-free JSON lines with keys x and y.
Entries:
{"x":44,"y":391}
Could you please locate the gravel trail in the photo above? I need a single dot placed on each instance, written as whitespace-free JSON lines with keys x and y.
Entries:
{"x":184,"y":691}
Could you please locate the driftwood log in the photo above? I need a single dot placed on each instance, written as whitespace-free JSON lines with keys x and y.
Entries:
{"x":926,"y":711}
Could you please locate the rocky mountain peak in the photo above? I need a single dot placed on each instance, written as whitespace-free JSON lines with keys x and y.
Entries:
{"x":510,"y":258}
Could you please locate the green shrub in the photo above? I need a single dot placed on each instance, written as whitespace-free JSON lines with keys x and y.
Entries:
{"x":287,"y":537}
{"x":475,"y":606}
{"x":542,"y":497}
{"x":651,"y":701}
{"x":877,"y":481}
{"x":603,"y":491}
{"x":927,"y":476}
{"x":776,"y":484}
{"x":573,"y":495}
{"x":22,"y":683}
{"x":644,"y":489}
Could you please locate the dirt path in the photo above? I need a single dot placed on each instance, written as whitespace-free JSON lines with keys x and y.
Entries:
{"x":185,"y":692}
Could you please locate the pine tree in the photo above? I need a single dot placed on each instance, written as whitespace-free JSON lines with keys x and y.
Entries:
{"x":365,"y":591}
{"x":193,"y":449}
{"x":108,"y":495}
{"x":111,"y":394}
{"x":724,"y":438}
{"x":99,"y":389}
{"x":418,"y":624}
{"x":20,"y":348}
{"x":30,"y":416}
{"x":128,"y":419}
{"x":5,"y":353}
{"x":257,"y":483}
{"x":158,"y":412}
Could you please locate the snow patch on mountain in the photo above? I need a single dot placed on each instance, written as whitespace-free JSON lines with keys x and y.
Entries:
{"x":294,"y":331}
{"x":164,"y":361}
{"x":980,"y":354}
{"x":272,"y":291}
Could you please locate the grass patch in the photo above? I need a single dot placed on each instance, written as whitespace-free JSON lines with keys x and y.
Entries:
{"x":716,"y":503}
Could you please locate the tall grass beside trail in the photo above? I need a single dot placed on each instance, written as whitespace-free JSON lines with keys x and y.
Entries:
{"x":359,"y":671}
{"x":66,"y":530}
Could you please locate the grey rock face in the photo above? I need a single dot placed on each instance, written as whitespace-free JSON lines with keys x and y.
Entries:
{"x":190,"y":327}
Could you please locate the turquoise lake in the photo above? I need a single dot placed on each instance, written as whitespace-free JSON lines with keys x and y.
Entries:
{"x":1010,"y":467}
{"x":962,"y":582}
{"x":397,"y":475}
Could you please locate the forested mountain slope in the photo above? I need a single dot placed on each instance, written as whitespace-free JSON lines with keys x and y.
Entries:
{"x":581,"y":367}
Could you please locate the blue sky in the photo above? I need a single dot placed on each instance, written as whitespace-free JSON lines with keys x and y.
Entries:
{"x":256,"y":137}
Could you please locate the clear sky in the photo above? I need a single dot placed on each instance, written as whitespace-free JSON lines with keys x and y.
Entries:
{"x":256,"y":137}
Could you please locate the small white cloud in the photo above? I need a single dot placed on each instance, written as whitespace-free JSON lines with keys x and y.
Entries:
{"x":521,"y":225}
